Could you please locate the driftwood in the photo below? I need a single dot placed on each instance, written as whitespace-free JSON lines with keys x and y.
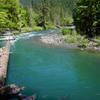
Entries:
{"x":13,"y":91}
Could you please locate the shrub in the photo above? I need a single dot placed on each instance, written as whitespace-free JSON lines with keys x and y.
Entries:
{"x":84,"y":42}
{"x":37,"y":28}
{"x":76,"y":38}
{"x":67,"y":20}
{"x":71,"y":39}
{"x":50,"y":25}
{"x":66,"y":31}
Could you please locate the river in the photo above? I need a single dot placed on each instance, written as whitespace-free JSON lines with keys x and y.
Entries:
{"x":53,"y":73}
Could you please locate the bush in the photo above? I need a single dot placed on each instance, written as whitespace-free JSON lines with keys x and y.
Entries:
{"x":50,"y":25}
{"x":71,"y":39}
{"x":84,"y":42}
{"x":67,"y":20}
{"x":76,"y":38}
{"x":66,"y":31}
{"x":97,"y":39}
{"x":30,"y":29}
{"x":37,"y":28}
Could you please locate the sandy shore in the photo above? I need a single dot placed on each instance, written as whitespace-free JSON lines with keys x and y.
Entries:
{"x":59,"y":40}
{"x":4,"y":56}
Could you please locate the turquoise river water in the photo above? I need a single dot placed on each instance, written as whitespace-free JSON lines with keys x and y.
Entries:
{"x":53,"y":73}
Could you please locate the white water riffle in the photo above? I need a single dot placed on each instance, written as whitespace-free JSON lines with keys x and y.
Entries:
{"x":27,"y":35}
{"x":33,"y":34}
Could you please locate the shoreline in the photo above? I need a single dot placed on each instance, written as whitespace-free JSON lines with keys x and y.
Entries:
{"x":59,"y":40}
{"x":55,"y":40}
{"x":4,"y":58}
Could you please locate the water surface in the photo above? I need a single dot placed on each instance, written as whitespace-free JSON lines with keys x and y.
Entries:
{"x":54,"y":73}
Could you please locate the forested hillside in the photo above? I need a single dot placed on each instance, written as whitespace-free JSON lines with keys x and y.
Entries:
{"x":44,"y":14}
{"x":50,"y":12}
{"x":15,"y":14}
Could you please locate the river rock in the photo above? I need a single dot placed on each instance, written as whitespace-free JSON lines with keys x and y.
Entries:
{"x":9,"y":91}
{"x":23,"y":97}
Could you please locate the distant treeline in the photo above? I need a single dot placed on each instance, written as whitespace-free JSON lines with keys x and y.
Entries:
{"x":85,"y":14}
{"x":50,"y":12}
{"x":43,"y":13}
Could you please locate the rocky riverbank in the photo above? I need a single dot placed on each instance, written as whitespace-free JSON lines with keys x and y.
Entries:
{"x":13,"y":91}
{"x":61,"y":40}
{"x":4,"y":57}
{"x":57,"y":40}
{"x":9,"y":91}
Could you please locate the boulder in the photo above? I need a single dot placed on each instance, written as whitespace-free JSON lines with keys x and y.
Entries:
{"x":9,"y":91}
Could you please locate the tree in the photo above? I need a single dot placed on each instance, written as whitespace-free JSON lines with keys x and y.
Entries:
{"x":3,"y":20}
{"x":42,"y":11}
{"x":12,"y":15}
{"x":87,"y":17}
{"x":53,"y":11}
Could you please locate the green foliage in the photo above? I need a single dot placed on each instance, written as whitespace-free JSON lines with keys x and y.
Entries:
{"x":3,"y":19}
{"x":84,"y":42}
{"x":31,"y":17}
{"x":30,"y":29}
{"x":67,"y":20}
{"x":35,"y":14}
{"x":58,"y":12}
{"x":71,"y":39}
{"x":35,"y":18}
{"x":76,"y":38}
{"x":50,"y":25}
{"x":66,"y":31}
{"x":97,"y":39}
{"x":12,"y":15}
{"x":37,"y":28}
{"x":87,"y":17}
